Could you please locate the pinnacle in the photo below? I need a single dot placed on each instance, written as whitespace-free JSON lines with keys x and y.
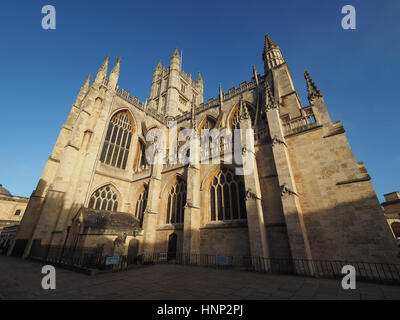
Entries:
{"x":269,"y":44}
{"x":176,"y":52}
{"x":312,"y":88}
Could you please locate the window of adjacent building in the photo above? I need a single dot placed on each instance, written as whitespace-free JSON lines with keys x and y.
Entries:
{"x":227,"y":197}
{"x":105,"y":198}
{"x":18,"y":212}
{"x":141,"y":206}
{"x":117,"y":142}
{"x":176,"y":203}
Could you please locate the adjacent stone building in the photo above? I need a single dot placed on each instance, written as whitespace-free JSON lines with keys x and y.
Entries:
{"x":392,"y":211}
{"x":12,"y":209}
{"x":307,"y":196}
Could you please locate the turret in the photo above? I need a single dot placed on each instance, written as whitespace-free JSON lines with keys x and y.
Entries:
{"x":272,"y":55}
{"x":199,"y":83}
{"x":154,"y":84}
{"x":102,"y":73}
{"x":170,"y":106}
{"x":280,"y":79}
{"x":114,"y":75}
{"x":175,"y":61}
{"x":83,"y":91}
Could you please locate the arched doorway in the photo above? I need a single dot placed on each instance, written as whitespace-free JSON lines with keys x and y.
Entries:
{"x":133,"y":250}
{"x":172,"y":244}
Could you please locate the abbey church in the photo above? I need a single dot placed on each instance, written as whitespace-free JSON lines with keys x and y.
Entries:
{"x":306,"y":198}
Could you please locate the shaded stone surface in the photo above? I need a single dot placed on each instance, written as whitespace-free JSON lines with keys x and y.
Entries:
{"x":21,"y":279}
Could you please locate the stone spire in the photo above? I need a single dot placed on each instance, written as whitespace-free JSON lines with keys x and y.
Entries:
{"x":313,"y":92}
{"x":272,"y":55}
{"x":221,"y":93}
{"x":176,"y":53}
{"x":159,"y":66}
{"x":199,"y":84}
{"x":176,"y":60}
{"x":269,"y":44}
{"x":84,"y":89}
{"x":199,"y":77}
{"x":102,"y":73}
{"x":114,"y":75}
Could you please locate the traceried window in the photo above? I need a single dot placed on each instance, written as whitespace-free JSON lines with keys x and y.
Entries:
{"x":141,"y":206}
{"x":208,"y":124}
{"x":118,"y":140}
{"x":236,"y":123}
{"x":236,"y":117}
{"x":176,"y":203}
{"x":105,"y":198}
{"x":227,"y":197}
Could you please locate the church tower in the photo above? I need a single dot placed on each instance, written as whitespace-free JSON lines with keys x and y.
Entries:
{"x":173,"y":91}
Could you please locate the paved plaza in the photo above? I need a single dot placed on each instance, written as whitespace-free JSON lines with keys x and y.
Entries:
{"x":21,"y":279}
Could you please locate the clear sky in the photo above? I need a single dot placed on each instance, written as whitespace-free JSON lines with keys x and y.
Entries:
{"x":42,"y":71}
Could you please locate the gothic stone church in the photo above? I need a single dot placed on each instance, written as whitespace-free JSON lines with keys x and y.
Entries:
{"x":307,"y":196}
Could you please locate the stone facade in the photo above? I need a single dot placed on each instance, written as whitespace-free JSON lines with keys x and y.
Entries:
{"x":392,"y":212}
{"x":306,"y":198}
{"x":12,"y":208}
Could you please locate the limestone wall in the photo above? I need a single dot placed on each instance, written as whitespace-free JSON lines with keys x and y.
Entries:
{"x":342,"y":214}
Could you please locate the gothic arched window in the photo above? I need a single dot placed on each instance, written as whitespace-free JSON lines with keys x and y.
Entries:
{"x":176,"y":203}
{"x":141,"y":206}
{"x":118,"y":140}
{"x":105,"y":198}
{"x":208,"y":123}
{"x":227,"y":197}
{"x":235,"y":123}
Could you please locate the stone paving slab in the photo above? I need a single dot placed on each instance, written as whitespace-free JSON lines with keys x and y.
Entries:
{"x":21,"y":279}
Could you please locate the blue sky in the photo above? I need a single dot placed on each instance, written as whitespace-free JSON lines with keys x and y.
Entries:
{"x":42,"y":71}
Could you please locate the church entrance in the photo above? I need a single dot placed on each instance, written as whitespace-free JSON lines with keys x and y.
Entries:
{"x":172,"y":244}
{"x":133,"y":250}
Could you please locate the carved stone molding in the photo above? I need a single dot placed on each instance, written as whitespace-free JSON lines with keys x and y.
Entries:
{"x":251,"y":195}
{"x":285,"y":191}
{"x":275,"y":140}
{"x":271,"y":106}
{"x":120,"y":239}
{"x":246,"y":150}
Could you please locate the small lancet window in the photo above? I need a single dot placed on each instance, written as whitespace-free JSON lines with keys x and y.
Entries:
{"x":176,"y":203}
{"x":141,"y":206}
